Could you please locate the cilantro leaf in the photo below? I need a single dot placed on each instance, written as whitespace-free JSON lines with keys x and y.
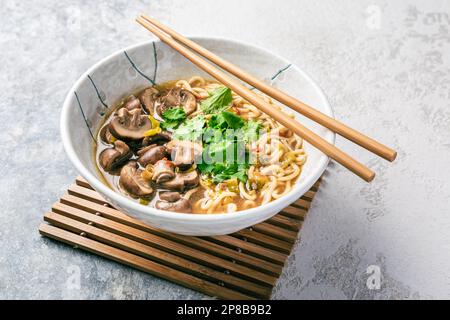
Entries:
{"x":173,"y":117}
{"x":224,"y":139}
{"x":225,"y":171}
{"x":219,"y":99}
{"x":226,"y":120}
{"x":251,"y":131}
{"x":190,"y":129}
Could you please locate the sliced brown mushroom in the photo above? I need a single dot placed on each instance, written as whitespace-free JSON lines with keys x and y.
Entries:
{"x":111,"y":158}
{"x":151,"y":154}
{"x":106,"y":135}
{"x":191,"y":179}
{"x":163,"y":170}
{"x":182,"y":181}
{"x":177,"y":97}
{"x":132,"y":103}
{"x":130,"y":125}
{"x":170,"y":196}
{"x":183,"y":153}
{"x":148,"y":98}
{"x":159,"y":138}
{"x":181,"y":205}
{"x":132,"y":182}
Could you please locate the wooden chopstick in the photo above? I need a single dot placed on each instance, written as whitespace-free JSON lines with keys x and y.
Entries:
{"x":281,"y":117}
{"x":308,"y":111}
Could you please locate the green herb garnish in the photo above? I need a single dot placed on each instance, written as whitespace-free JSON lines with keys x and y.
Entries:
{"x":190,"y":129}
{"x":224,"y":137}
{"x":219,"y":99}
{"x":173,"y":117}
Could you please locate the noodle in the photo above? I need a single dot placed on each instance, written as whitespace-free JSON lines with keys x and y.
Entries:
{"x":276,"y":157}
{"x":279,"y":153}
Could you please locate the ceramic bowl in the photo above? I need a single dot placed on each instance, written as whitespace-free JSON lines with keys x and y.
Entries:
{"x":141,"y":65}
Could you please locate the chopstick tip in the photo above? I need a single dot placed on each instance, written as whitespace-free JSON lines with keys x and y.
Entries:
{"x":370,"y":177}
{"x":393,"y":156}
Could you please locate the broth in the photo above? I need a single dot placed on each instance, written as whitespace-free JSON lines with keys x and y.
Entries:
{"x":154,"y":144}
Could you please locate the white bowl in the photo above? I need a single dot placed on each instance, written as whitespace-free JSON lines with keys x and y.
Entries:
{"x":134,"y":68}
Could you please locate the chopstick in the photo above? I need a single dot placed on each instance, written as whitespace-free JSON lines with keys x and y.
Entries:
{"x":308,"y":111}
{"x":281,"y":117}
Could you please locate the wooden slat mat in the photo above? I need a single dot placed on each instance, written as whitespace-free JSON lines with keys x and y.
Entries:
{"x":243,"y":265}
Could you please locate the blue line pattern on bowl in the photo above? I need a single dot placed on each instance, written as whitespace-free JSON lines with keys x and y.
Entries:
{"x":272,"y":79}
{"x":155,"y":56}
{"x":98,"y":93}
{"x":276,"y":75}
{"x":84,"y":116}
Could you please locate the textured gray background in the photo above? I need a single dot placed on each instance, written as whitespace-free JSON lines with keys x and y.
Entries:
{"x":385,"y":68}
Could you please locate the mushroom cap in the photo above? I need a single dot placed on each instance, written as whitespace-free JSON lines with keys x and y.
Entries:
{"x":111,"y":158}
{"x":133,"y":183}
{"x":148,"y":98}
{"x":132,"y":103}
{"x":169,"y":196}
{"x":182,"y":181}
{"x":129,"y":125}
{"x":184,"y":152}
{"x":181,"y":205}
{"x":151,"y":154}
{"x":159,"y":138}
{"x":177,"y":97}
{"x":106,"y":135}
{"x":163,"y":170}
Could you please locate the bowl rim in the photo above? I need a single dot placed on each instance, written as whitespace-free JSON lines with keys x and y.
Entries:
{"x":167,"y":215}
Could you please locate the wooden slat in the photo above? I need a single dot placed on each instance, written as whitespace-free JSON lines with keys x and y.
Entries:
{"x":87,"y":194}
{"x":250,"y":248}
{"x":294,"y":213}
{"x":140,"y":263}
{"x":285,"y":222}
{"x":302,"y":204}
{"x":244,"y":265}
{"x":83,"y":182}
{"x":159,"y":256}
{"x":163,"y":244}
{"x":316,"y":185}
{"x":113,"y":214}
{"x":263,"y":240}
{"x":309,"y":195}
{"x":276,"y":232}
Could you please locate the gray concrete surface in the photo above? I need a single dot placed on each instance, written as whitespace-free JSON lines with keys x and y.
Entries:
{"x":385,"y":68}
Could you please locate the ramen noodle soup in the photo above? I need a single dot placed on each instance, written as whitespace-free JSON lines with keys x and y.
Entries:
{"x":194,"y":146}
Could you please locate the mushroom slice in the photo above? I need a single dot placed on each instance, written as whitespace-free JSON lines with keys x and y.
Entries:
{"x":132,"y":103}
{"x":106,"y":135}
{"x":151,"y":154}
{"x":183,"y":153}
{"x":163,"y":170}
{"x":170,"y":196}
{"x":111,"y":158}
{"x":181,"y":205}
{"x":133,"y":183}
{"x":182,"y":181}
{"x":130,"y":125}
{"x":177,"y":97}
{"x":148,"y":98}
{"x":159,"y":138}
{"x":191,"y":178}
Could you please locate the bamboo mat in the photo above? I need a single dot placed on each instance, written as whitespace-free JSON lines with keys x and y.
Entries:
{"x":243,"y":265}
